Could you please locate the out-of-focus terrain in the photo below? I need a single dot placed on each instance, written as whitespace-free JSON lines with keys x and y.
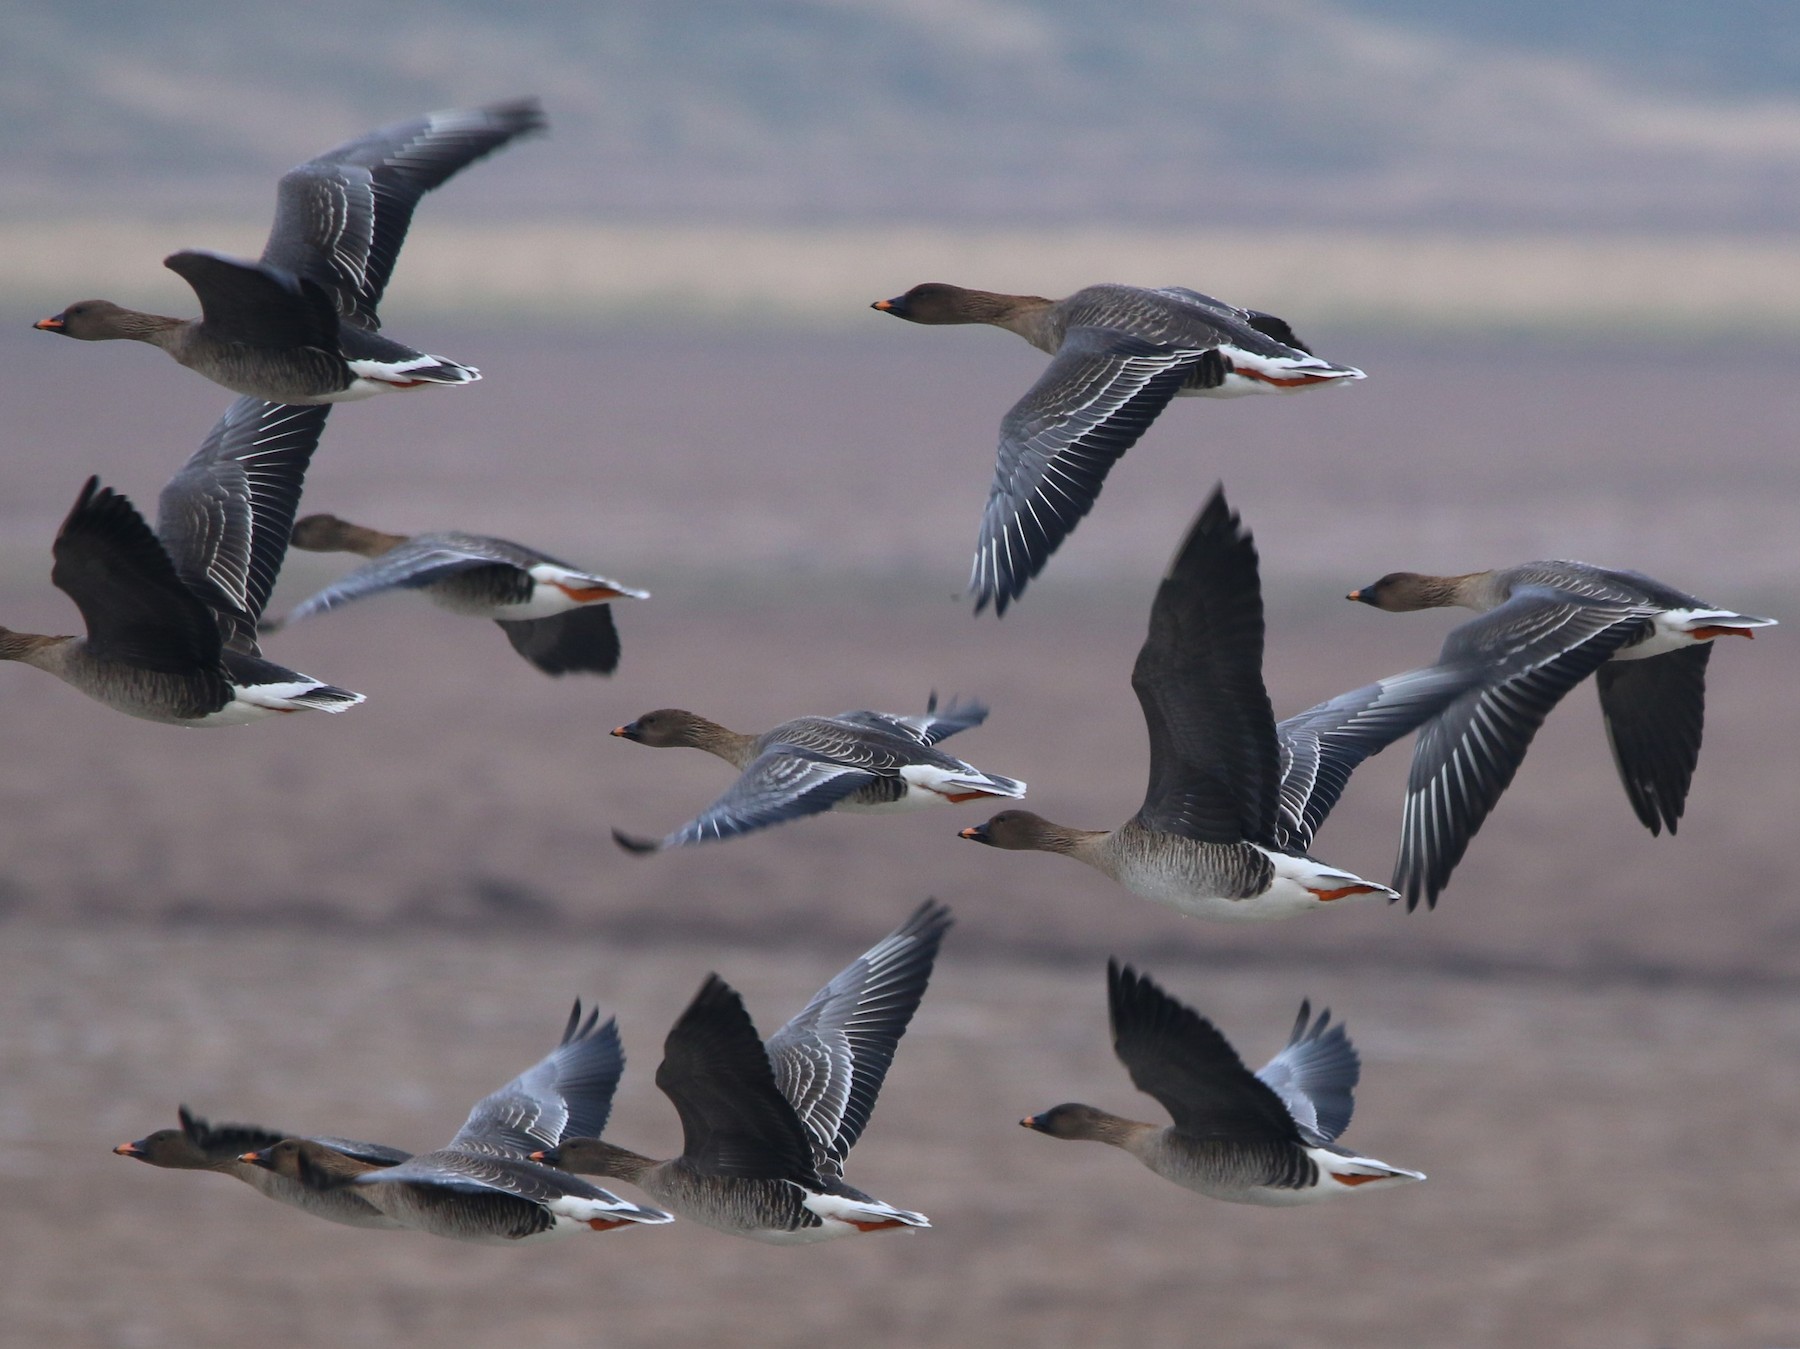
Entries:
{"x":359,"y":924}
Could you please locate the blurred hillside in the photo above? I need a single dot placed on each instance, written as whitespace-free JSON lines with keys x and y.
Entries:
{"x":1163,"y":113}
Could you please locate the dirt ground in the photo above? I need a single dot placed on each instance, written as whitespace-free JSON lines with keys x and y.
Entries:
{"x":360,"y":924}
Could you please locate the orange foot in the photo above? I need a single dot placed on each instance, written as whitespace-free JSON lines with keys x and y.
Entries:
{"x":1294,"y":383}
{"x":875,"y":1227}
{"x":587,"y":594}
{"x":1712,"y":630}
{"x":606,"y":1224}
{"x":1326,"y":896}
{"x":1355,"y":1180}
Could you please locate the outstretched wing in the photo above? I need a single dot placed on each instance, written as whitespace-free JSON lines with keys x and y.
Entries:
{"x":784,"y":782}
{"x":567,"y":1092}
{"x":412,"y":565}
{"x":1655,"y":711}
{"x":1098,"y":395}
{"x":340,"y":218}
{"x":1214,"y":761}
{"x":258,"y":305}
{"x":582,"y":641}
{"x":1528,"y":652}
{"x":734,"y":1119}
{"x":831,"y":1059}
{"x":928,"y":729}
{"x":1315,"y":1074}
{"x":225,"y":517}
{"x":1322,"y":746}
{"x":1179,"y":1057}
{"x":136,"y":608}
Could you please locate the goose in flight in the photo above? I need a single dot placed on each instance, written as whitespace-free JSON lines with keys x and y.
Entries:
{"x":199,"y":1146}
{"x":171,"y":615}
{"x":1268,"y":1137}
{"x":856,"y":761}
{"x":482,"y":1186}
{"x":556,"y":616}
{"x":766,"y":1127}
{"x":1118,"y":355}
{"x":1543,"y":628}
{"x":300,"y":324}
{"x":1233,"y":799}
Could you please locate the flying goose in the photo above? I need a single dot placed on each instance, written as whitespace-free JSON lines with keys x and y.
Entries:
{"x":1119,"y":354}
{"x":199,"y":1146}
{"x":555,"y":616}
{"x":1544,"y":627}
{"x":1250,"y":1138}
{"x":482,"y":1186}
{"x":299,"y":326}
{"x":857,"y":761}
{"x":766,"y":1128}
{"x":1233,"y":799}
{"x":171,"y":615}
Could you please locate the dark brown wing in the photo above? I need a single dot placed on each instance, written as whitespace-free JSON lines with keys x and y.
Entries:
{"x":1178,"y":1056}
{"x":734,"y":1119}
{"x":256,"y":305}
{"x":582,"y":641}
{"x":1215,"y":763}
{"x":136,"y":608}
{"x":1655,"y":711}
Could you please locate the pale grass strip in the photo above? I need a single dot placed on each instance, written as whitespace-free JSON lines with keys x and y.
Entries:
{"x":1649,"y":285}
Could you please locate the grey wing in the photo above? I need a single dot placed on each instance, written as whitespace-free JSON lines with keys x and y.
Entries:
{"x":784,"y":782}
{"x":1322,"y":746}
{"x":1233,"y":322}
{"x":831,"y":1059}
{"x":464,"y":1173}
{"x":412,"y":565}
{"x":226,"y":516}
{"x":1655,"y":711}
{"x":428,"y":1169}
{"x":569,"y":1091}
{"x":1099,"y":394}
{"x":341,"y":217}
{"x":1529,"y":652}
{"x":1316,"y":1074}
{"x":928,"y":729}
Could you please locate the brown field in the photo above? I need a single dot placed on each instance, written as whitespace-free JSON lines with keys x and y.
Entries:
{"x":362,"y":923}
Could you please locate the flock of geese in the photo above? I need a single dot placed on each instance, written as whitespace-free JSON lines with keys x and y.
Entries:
{"x":174,"y":624}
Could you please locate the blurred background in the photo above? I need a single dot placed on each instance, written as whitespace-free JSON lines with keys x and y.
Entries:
{"x":1559,"y":239}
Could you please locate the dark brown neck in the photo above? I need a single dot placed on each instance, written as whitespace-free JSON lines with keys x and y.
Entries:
{"x":594,"y":1157}
{"x":27,"y":646}
{"x":328,"y":534}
